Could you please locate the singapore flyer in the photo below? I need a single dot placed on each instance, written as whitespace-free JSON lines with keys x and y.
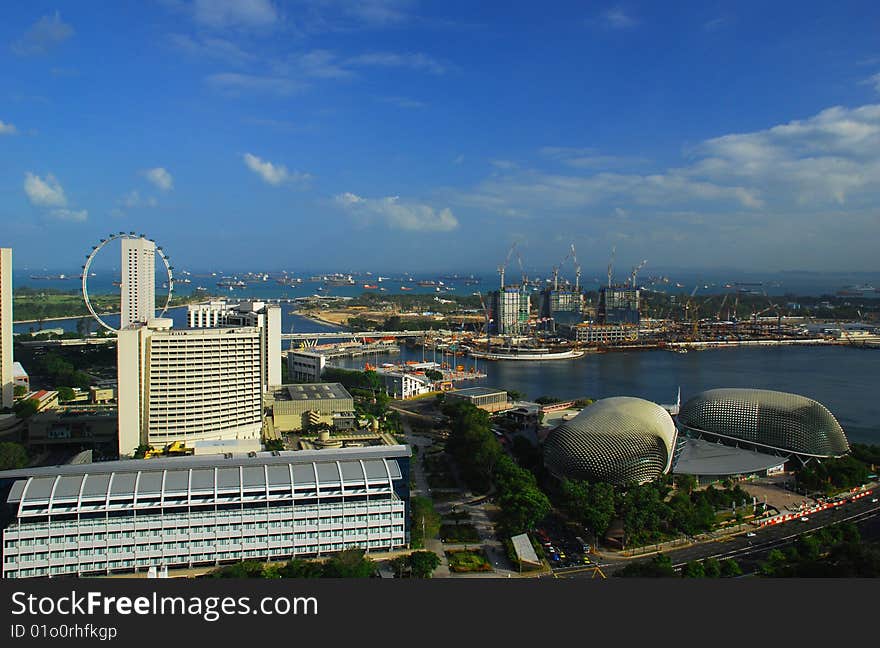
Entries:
{"x":96,"y":249}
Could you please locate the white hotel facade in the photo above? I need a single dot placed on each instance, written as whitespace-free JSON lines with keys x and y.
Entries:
{"x":188,"y":384}
{"x":199,"y":512}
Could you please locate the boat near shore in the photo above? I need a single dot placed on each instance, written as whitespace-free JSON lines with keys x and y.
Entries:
{"x":526,"y":353}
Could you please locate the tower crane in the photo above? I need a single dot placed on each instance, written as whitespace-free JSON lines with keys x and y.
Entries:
{"x":636,"y":271}
{"x":503,"y":266}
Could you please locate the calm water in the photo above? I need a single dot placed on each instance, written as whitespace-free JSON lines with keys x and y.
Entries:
{"x":844,"y":379}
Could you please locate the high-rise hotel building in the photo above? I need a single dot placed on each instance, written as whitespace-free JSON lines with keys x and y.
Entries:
{"x":220,"y":313}
{"x":138,"y":281}
{"x":6,"y":380}
{"x":188,"y":384}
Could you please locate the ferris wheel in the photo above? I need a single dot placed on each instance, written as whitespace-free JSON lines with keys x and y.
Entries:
{"x":90,"y":257}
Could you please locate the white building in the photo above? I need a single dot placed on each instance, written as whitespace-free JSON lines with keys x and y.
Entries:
{"x":404,"y":385}
{"x":220,"y":313}
{"x":6,"y":378}
{"x":138,"y":281}
{"x":199,"y":512}
{"x":188,"y":384}
{"x":305,"y":366}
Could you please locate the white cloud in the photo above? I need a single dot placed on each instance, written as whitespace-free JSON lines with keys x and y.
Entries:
{"x":160,"y":177}
{"x":403,"y":102}
{"x":411,"y":60}
{"x":235,"y":83}
{"x":72,"y":215}
{"x":322,"y":64}
{"x":829,"y":160}
{"x":44,"y":34}
{"x":618,"y":18}
{"x":274,"y":174}
{"x":211,"y":48}
{"x":235,"y":13}
{"x":397,"y":214}
{"x":874,"y":81}
{"x":504,"y":164}
{"x":44,"y":192}
{"x":7,"y":129}
{"x":134,"y":199}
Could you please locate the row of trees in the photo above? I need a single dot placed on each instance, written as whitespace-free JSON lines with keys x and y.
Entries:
{"x":837,"y":551}
{"x":832,"y":474}
{"x":349,"y":563}
{"x":418,"y":564}
{"x":660,"y":566}
{"x":486,"y":467}
{"x":651,"y":512}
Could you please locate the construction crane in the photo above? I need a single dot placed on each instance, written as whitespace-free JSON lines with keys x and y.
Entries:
{"x":721,"y":308}
{"x":503,"y":267}
{"x":635,"y":272}
{"x":577,"y":270}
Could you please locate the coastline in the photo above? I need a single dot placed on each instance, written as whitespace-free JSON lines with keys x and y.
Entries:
{"x":324,"y":322}
{"x":80,"y":316}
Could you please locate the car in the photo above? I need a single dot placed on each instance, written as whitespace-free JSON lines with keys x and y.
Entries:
{"x":874,"y":500}
{"x":804,"y":519}
{"x":750,"y":534}
{"x":562,"y":555}
{"x":586,"y":560}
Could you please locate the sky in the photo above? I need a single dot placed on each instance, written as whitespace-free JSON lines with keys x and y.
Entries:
{"x":394,"y":135}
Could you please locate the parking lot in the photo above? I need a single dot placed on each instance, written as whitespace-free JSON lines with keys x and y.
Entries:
{"x":562,"y":545}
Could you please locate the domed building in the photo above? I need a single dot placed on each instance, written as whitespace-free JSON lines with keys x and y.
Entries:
{"x":619,"y":440}
{"x":764,"y":420}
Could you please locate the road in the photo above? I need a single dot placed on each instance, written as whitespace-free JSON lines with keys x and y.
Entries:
{"x":749,"y":551}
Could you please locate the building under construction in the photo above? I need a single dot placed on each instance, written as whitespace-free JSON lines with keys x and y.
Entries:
{"x":509,"y":310}
{"x":618,"y":305}
{"x":560,"y":307}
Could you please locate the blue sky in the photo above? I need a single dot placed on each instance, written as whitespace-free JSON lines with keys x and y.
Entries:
{"x":404,"y":135}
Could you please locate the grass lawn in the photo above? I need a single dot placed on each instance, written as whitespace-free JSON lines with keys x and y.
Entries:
{"x":459,"y":533}
{"x":468,"y":561}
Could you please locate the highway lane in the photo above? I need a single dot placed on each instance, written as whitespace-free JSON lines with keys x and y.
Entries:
{"x":750,"y":550}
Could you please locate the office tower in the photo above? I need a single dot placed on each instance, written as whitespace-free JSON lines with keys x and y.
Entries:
{"x":6,"y":379}
{"x":138,"y":281}
{"x":188,"y":384}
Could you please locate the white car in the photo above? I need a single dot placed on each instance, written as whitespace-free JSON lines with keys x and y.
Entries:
{"x":804,"y":519}
{"x":750,"y":535}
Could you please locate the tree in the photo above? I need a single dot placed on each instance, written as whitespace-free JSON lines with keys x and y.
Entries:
{"x":26,"y":408}
{"x":19,"y":391}
{"x":693,"y":569}
{"x":659,"y":566}
{"x":686,"y":483}
{"x":547,"y":400}
{"x":349,"y":563}
{"x":730,"y":568}
{"x":425,"y":521}
{"x":433,"y":374}
{"x":514,"y":395}
{"x":423,"y":563}
{"x":590,"y":504}
{"x":712,"y":568}
{"x":301,"y":569}
{"x":66,"y":394}
{"x":12,"y":455}
{"x":244,"y":569}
